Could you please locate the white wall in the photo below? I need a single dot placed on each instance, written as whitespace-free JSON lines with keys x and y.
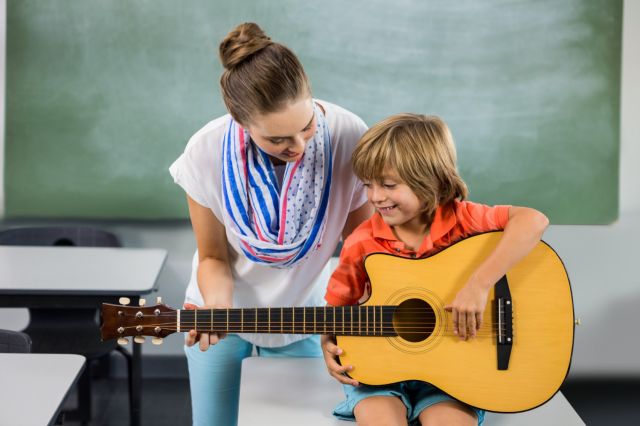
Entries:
{"x":3,"y":38}
{"x":601,"y":260}
{"x":630,"y":109}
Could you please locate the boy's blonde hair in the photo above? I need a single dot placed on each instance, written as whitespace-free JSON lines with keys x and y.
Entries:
{"x":421,"y":150}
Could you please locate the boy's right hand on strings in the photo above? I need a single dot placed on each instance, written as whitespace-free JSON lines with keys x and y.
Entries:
{"x":206,"y":339}
{"x":330,"y":351}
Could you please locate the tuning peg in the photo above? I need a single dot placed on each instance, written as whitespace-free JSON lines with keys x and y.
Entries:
{"x":138,"y":339}
{"x":142,"y":302}
{"x":157,"y":340}
{"x":123,"y":341}
{"x":124,"y":301}
{"x":158,"y":300}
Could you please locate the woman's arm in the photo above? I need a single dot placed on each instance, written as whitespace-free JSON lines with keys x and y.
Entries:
{"x":521,"y":234}
{"x":214,"y":273}
{"x":355,"y":218}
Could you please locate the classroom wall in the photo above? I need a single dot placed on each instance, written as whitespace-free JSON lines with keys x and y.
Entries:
{"x":522,"y":89}
{"x":600,"y":259}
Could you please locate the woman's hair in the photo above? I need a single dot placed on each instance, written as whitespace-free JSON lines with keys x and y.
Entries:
{"x":421,"y":150}
{"x":260,"y":76}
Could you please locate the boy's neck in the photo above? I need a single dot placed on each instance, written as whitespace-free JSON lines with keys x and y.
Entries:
{"x":412,"y":234}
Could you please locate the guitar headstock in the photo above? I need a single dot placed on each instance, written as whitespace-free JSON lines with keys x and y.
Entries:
{"x":122,"y":321}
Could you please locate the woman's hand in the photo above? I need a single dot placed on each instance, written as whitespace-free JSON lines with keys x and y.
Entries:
{"x":206,"y":339}
{"x":467,"y":309}
{"x":330,"y":352}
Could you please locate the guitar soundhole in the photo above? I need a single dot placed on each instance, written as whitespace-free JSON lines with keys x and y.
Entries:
{"x":414,"y":320}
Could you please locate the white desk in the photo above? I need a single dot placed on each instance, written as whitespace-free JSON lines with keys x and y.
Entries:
{"x":295,"y":391}
{"x":79,"y":270}
{"x":65,"y":286}
{"x":35,"y":385}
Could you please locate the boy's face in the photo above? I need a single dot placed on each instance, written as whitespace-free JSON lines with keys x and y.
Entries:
{"x":395,"y":201}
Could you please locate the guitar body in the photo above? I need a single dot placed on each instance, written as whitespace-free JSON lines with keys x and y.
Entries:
{"x":542,"y":327}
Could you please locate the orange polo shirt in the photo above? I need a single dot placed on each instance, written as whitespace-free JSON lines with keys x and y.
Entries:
{"x":451,"y":223}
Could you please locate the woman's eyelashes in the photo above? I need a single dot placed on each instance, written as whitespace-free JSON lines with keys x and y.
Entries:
{"x":278,"y":141}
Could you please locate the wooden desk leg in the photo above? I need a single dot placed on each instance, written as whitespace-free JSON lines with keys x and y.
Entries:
{"x":136,"y":385}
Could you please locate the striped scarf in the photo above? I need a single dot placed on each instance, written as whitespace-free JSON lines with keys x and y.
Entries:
{"x":276,"y":226}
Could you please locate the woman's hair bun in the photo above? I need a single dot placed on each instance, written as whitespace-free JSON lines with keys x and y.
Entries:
{"x":242,"y":42}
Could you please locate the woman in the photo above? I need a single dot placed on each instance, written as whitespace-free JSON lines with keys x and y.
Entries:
{"x":270,"y":193}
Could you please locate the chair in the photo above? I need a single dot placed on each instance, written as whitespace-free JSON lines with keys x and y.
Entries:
{"x":74,"y":331}
{"x":14,"y":342}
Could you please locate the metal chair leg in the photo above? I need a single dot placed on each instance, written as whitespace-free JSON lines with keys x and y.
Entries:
{"x":84,"y":395}
{"x":129,"y":359}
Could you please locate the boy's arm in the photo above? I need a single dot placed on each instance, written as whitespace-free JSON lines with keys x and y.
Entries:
{"x":330,"y":352}
{"x":521,"y":234}
{"x":345,"y":287}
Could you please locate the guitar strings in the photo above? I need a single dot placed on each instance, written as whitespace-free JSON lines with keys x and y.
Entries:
{"x":263,"y":319}
{"x":354,"y":323}
{"x":276,"y":328}
{"x":394,"y":334}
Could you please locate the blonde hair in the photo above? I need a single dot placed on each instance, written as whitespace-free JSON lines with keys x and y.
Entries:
{"x":260,"y":76}
{"x":420,"y":148}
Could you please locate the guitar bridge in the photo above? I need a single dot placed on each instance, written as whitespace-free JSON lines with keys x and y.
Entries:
{"x":504,"y":315}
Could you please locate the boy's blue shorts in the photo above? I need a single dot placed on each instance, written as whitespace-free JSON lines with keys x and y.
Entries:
{"x":415,"y":395}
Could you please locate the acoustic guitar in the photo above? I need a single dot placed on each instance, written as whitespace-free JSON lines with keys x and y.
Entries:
{"x":518,"y":360}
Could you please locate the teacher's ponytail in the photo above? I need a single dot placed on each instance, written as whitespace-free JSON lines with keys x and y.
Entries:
{"x":260,"y":76}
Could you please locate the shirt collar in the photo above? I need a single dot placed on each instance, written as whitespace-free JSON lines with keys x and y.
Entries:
{"x":444,"y":220}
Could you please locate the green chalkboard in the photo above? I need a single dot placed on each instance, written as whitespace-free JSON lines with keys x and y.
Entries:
{"x":103,"y":95}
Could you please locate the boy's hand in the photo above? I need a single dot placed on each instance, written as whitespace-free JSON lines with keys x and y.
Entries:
{"x":467,"y":309}
{"x":330,"y":352}
{"x":206,"y":339}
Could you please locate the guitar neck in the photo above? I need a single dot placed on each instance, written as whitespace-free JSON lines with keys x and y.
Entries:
{"x":339,"y":320}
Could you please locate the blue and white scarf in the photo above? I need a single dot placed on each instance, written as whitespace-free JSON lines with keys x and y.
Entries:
{"x":276,"y":226}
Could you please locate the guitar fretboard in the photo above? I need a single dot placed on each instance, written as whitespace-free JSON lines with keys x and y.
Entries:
{"x":339,"y":320}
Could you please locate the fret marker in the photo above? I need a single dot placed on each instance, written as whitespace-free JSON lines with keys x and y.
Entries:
{"x":325,"y":319}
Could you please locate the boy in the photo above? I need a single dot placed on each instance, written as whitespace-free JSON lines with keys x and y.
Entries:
{"x":407,"y":162}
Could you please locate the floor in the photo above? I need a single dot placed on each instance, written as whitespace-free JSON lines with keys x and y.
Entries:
{"x":166,"y":402}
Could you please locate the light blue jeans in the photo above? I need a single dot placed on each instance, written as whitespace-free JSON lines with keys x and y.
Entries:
{"x":214,"y":375}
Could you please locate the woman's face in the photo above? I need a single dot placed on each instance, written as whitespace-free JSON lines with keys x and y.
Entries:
{"x":284,"y":134}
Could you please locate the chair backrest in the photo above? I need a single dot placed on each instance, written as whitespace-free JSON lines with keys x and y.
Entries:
{"x":14,"y":342}
{"x":79,"y":236}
